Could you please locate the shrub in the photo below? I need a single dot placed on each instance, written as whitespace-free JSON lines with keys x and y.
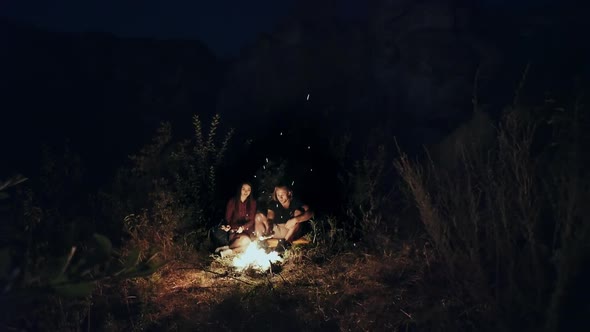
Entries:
{"x":491,"y":217}
{"x":168,"y":197}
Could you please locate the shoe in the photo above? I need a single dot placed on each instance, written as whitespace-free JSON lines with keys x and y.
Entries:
{"x":225,"y":253}
{"x":266,"y":236}
{"x":222,"y":248}
{"x":282,"y":246}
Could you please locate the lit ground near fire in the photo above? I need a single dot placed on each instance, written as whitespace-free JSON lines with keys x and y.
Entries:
{"x":351,"y":291}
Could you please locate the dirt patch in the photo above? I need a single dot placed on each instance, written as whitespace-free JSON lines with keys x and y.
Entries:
{"x":350,"y":291}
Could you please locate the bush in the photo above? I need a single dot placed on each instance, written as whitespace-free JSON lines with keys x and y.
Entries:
{"x":168,"y":197}
{"x":502,"y":219}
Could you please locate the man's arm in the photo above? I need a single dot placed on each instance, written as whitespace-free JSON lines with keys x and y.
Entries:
{"x":299,"y":217}
{"x":304,"y":216}
{"x":270,"y":215}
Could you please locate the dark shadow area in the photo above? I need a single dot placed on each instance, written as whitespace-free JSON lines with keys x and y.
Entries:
{"x":441,"y":144}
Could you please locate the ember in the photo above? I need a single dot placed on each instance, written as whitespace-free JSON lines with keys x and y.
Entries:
{"x":256,"y":258}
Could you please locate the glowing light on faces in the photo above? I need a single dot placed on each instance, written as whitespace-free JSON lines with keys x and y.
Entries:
{"x":246,"y":190}
{"x":256,"y":258}
{"x":282,"y":195}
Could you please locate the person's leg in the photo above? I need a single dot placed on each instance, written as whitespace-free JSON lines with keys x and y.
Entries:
{"x":279,"y":231}
{"x":292,"y":232}
{"x":261,"y":225}
{"x":239,"y":243}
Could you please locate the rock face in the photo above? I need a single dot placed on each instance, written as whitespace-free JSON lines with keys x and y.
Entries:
{"x":409,"y":66}
{"x":414,"y":57}
{"x":427,"y":54}
{"x":402,"y":67}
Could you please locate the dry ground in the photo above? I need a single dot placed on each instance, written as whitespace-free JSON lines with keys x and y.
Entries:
{"x":309,"y":291}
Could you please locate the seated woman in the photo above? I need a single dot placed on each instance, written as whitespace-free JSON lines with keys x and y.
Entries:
{"x":239,"y":218}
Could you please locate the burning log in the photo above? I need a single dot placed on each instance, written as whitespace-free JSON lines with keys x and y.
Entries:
{"x":272,"y":243}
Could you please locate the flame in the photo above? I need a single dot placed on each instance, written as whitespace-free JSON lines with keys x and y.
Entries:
{"x":256,"y":258}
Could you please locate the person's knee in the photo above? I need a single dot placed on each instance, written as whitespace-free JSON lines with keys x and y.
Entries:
{"x":241,"y":242}
{"x":245,"y":240}
{"x":260,"y":218}
{"x":261,"y":224}
{"x":298,"y":231}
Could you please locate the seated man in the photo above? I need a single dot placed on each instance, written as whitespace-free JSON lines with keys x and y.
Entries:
{"x":285,"y":217}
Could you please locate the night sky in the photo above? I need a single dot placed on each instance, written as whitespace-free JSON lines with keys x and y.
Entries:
{"x":224,"y":25}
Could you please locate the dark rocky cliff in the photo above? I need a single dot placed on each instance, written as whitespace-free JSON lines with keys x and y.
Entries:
{"x":406,"y":68}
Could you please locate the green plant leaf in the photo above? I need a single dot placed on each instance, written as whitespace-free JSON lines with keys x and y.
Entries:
{"x":104,"y":244}
{"x":58,"y":280}
{"x":144,"y":271}
{"x":81,"y":289}
{"x":132,"y":258}
{"x":155,"y":265}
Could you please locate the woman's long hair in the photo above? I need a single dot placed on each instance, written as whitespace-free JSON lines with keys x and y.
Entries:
{"x":249,"y":199}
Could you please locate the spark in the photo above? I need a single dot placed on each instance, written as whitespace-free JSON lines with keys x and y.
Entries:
{"x":281,"y":133}
{"x":307,"y":97}
{"x":266,"y":159}
{"x":407,"y":314}
{"x":309,"y":147}
{"x":292,"y":183}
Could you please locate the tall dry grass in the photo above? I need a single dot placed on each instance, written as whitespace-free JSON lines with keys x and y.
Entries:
{"x":502,"y":218}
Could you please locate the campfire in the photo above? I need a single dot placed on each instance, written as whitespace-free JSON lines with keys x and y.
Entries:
{"x":255,"y":258}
